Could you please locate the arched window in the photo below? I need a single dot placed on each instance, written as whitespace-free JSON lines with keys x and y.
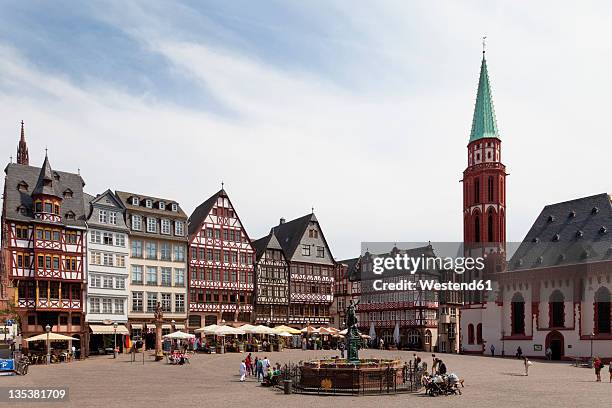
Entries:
{"x":477,"y":191}
{"x":517,"y":314}
{"x":477,"y":228}
{"x":470,"y":333}
{"x":556,"y":309}
{"x":427,"y":337}
{"x":602,"y":310}
{"x":414,"y":338}
{"x":490,"y":188}
{"x":479,"y":333}
{"x":490,"y":226}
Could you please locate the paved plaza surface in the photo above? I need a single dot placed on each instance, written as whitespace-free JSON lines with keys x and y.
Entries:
{"x":213,"y":381}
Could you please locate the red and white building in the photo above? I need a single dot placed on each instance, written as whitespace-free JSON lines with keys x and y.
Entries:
{"x":221,"y":264}
{"x":44,"y":246}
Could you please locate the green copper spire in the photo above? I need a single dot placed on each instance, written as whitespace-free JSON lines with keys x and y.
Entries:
{"x":484,"y":123}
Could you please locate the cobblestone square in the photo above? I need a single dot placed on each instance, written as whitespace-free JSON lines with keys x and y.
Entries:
{"x":213,"y":381}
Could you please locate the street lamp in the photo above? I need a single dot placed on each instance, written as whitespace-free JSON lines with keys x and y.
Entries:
{"x":115,"y":332}
{"x":48,"y":330}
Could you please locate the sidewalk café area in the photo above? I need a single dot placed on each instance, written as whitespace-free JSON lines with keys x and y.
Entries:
{"x":52,"y":348}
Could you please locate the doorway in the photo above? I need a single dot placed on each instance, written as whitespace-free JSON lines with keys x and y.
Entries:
{"x":554,"y":340}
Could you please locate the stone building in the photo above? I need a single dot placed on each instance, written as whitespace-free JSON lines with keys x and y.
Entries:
{"x":157,"y":263}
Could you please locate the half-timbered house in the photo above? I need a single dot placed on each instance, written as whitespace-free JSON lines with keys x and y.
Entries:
{"x":221,"y":264}
{"x":271,"y":282}
{"x":311,"y":270}
{"x":43,"y":240}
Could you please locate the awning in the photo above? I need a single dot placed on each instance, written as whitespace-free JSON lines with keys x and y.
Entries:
{"x":108,"y":329}
{"x":136,"y":326}
{"x":166,"y":326}
{"x":150,"y":326}
{"x":179,"y":326}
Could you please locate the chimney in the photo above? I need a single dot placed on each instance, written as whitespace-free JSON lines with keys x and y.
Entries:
{"x":282,"y":221}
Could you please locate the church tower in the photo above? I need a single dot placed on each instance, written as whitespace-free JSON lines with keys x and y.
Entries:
{"x":22,"y":151}
{"x":484,"y":179}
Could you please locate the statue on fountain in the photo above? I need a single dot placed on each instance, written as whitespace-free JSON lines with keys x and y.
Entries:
{"x":353,"y":338}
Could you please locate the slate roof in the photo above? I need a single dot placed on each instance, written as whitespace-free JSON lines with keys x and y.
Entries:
{"x":567,"y":233}
{"x":353,"y":270}
{"x":268,"y":242}
{"x":125,"y":196}
{"x":201,"y":211}
{"x":290,"y":233}
{"x":484,"y":123}
{"x":61,"y":181}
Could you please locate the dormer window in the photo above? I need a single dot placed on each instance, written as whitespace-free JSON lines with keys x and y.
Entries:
{"x":595,"y":210}
{"x":22,"y":186}
{"x":174,"y":207}
{"x":572,"y":214}
{"x":579,"y":234}
{"x":22,"y":210}
{"x":56,"y":175}
{"x":551,"y":218}
{"x":135,"y":201}
{"x":68,"y":193}
{"x":149,"y":203}
{"x":161,"y":205}
{"x":70,"y":215}
{"x":556,"y":238}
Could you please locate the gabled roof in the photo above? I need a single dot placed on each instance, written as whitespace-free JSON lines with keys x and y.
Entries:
{"x":568,"y":233}
{"x":484,"y":123}
{"x":125,"y":197}
{"x":201,"y":212}
{"x":353,"y":269}
{"x":290,"y":233}
{"x":14,"y":199}
{"x":268,"y":242}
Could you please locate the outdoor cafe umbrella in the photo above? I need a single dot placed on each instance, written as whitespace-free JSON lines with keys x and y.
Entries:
{"x":309,"y":330}
{"x":260,"y":329}
{"x":52,"y":337}
{"x":248,"y":328}
{"x":227,"y":331}
{"x":179,"y":335}
{"x":207,"y":329}
{"x":286,"y":329}
{"x":285,"y":334}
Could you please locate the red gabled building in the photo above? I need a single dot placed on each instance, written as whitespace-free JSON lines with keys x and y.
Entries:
{"x":43,"y":245}
{"x":220,"y":264}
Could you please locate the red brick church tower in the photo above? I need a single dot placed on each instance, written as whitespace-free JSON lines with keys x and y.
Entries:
{"x":484,"y":179}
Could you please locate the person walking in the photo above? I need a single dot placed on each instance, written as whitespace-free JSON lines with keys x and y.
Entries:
{"x":519,"y":352}
{"x":441,"y":367}
{"x":259,"y":369}
{"x":248,"y":362}
{"x":527,"y":364}
{"x":492,"y":348}
{"x":266,"y":364}
{"x":341,"y":348}
{"x":434,"y":364}
{"x":597,"y":365}
{"x":243,"y":370}
{"x":381,"y":344}
{"x":548,"y":353}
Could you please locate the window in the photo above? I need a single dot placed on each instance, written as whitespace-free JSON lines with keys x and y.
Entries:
{"x":137,"y":274}
{"x":517,"y":313}
{"x":470,"y":333}
{"x":479,"y":333}
{"x":174,"y":207}
{"x":151,"y":301}
{"x":161,"y":205}
{"x":119,"y":283}
{"x":151,"y":224}
{"x":166,"y":276}
{"x":151,"y":250}
{"x":107,"y":259}
{"x":477,"y":229}
{"x":112,"y":218}
{"x":305,"y":250}
{"x":179,"y":253}
{"x":149,"y":203}
{"x":107,"y":305}
{"x":320,"y":252}
{"x":95,"y":258}
{"x":166,"y":302}
{"x":48,"y":207}
{"x":226,"y":256}
{"x":118,"y":306}
{"x":179,"y":277}
{"x":94,"y":305}
{"x":136,"y":249}
{"x":95,"y":281}
{"x":179,"y":303}
{"x":151,"y":275}
{"x":179,"y":228}
{"x":22,"y":232}
{"x":107,"y":282}
{"x":71,"y":237}
{"x":136,"y":222}
{"x":137,"y":302}
{"x":165,"y":251}
{"x":165,"y":227}
{"x":120,"y":260}
{"x":135,"y":201}
{"x":107,"y":238}
{"x":103,"y":216}
{"x":96,"y":237}
{"x":120,"y":240}
{"x":477,"y":191}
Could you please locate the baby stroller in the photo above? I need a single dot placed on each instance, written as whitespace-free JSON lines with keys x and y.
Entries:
{"x":434,"y":386}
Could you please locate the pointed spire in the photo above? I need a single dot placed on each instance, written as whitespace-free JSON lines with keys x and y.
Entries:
{"x":45,"y":183}
{"x":22,"y":150}
{"x":484,"y":123}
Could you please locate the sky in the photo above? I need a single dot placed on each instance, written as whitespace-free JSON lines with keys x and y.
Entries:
{"x":360,"y":109}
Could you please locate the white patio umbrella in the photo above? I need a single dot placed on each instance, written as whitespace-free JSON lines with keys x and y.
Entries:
{"x":285,"y":334}
{"x":248,"y":328}
{"x":372,"y":331}
{"x":227,"y":331}
{"x":396,"y":333}
{"x":260,"y":329}
{"x":52,"y":337}
{"x":207,"y":329}
{"x":179,"y":335}
{"x":343,"y":332}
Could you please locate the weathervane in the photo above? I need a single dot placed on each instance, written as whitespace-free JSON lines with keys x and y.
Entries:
{"x":484,"y":44}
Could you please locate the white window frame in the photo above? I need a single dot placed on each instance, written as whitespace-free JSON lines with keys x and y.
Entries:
{"x":165,"y":226}
{"x":148,"y":203}
{"x":136,"y":222}
{"x":112,"y":217}
{"x":135,"y":201}
{"x":151,"y":224}
{"x":119,"y":306}
{"x":103,"y":216}
{"x":179,"y":228}
{"x":174,"y":207}
{"x":161,"y":205}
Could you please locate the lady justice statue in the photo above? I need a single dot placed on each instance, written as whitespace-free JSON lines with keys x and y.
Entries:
{"x":353,"y":338}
